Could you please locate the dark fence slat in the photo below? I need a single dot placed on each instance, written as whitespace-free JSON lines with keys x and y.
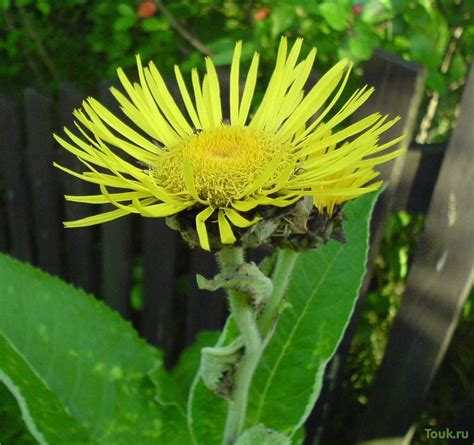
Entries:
{"x":160,"y":323}
{"x":438,"y":284}
{"x":116,"y":245}
{"x":13,"y":175}
{"x":419,"y":177}
{"x":206,"y":310}
{"x":80,"y":265}
{"x":44,"y":192}
{"x":399,"y":87}
{"x":3,"y":221}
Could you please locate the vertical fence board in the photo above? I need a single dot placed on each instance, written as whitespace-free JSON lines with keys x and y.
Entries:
{"x":45,"y":199}
{"x":419,"y":177}
{"x":399,"y":87}
{"x":13,"y":175}
{"x":3,"y":220}
{"x":206,"y":310}
{"x":438,"y":284}
{"x":80,"y":261}
{"x":116,"y":245}
{"x":160,"y":321}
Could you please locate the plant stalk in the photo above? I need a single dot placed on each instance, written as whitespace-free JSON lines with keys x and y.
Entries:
{"x":281,"y":276}
{"x":229,"y":259}
{"x":253,"y":332}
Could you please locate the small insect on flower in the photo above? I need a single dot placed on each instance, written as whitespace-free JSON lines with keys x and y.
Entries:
{"x":222,"y":176}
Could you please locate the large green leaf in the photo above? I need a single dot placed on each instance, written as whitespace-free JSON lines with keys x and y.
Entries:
{"x":78,"y":372}
{"x":321,"y":295}
{"x":12,"y":428}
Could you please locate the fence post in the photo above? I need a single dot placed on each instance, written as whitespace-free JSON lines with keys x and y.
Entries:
{"x":80,"y":260}
{"x":161,"y":323}
{"x":13,"y":174}
{"x":116,"y":245}
{"x":42,"y":178}
{"x":439,"y":282}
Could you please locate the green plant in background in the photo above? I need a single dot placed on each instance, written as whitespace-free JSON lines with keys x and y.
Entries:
{"x":44,"y":41}
{"x":79,"y":374}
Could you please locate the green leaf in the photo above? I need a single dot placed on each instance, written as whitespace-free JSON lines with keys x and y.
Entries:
{"x":206,"y":412}
{"x":263,"y":436}
{"x":12,"y":428}
{"x":152,"y":24}
{"x":361,"y":47}
{"x":126,"y":10}
{"x":282,"y":18}
{"x":78,"y":371}
{"x":423,"y":50}
{"x":222,"y":50}
{"x":173,"y":388}
{"x":124,"y":23}
{"x":437,"y":82}
{"x":321,"y":295}
{"x":52,"y":423}
{"x":335,"y":15}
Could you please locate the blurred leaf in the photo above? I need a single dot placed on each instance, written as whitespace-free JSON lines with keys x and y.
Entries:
{"x":335,"y":14}
{"x":361,"y":47}
{"x":155,"y":24}
{"x":126,"y":10}
{"x":374,"y":12}
{"x":282,"y":18}
{"x":44,"y":6}
{"x":458,"y":69}
{"x":21,"y":3}
{"x":437,"y":82}
{"x":222,"y":50}
{"x":124,"y":23}
{"x":424,"y":51}
{"x":12,"y":428}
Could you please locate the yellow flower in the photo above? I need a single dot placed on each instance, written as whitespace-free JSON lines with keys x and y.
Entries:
{"x":225,"y":169}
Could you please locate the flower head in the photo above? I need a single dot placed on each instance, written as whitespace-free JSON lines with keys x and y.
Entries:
{"x":226,"y":173}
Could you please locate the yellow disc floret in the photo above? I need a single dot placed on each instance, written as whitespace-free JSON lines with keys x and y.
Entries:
{"x":224,"y":161}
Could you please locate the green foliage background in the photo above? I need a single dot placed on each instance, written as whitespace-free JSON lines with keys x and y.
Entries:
{"x":44,"y":41}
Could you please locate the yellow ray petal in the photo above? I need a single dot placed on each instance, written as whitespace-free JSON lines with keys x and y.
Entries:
{"x":248,"y":90}
{"x":234,"y":84}
{"x":96,"y":219}
{"x":238,"y":220}
{"x":200,"y":106}
{"x":166,"y":101}
{"x":187,"y":98}
{"x":213,"y":93}
{"x":201,"y":229}
{"x":225,"y":230}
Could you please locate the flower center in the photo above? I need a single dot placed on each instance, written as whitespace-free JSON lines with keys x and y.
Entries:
{"x":224,"y":160}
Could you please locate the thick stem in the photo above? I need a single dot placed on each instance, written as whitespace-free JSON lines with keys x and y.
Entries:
{"x":281,"y":275}
{"x":252,"y":332}
{"x":230,"y":258}
{"x":245,"y":319}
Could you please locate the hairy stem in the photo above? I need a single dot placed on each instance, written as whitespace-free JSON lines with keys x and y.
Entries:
{"x":230,"y":258}
{"x":255,"y":333}
{"x":281,"y":275}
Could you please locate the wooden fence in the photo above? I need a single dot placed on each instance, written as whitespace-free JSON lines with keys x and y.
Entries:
{"x":106,"y":260}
